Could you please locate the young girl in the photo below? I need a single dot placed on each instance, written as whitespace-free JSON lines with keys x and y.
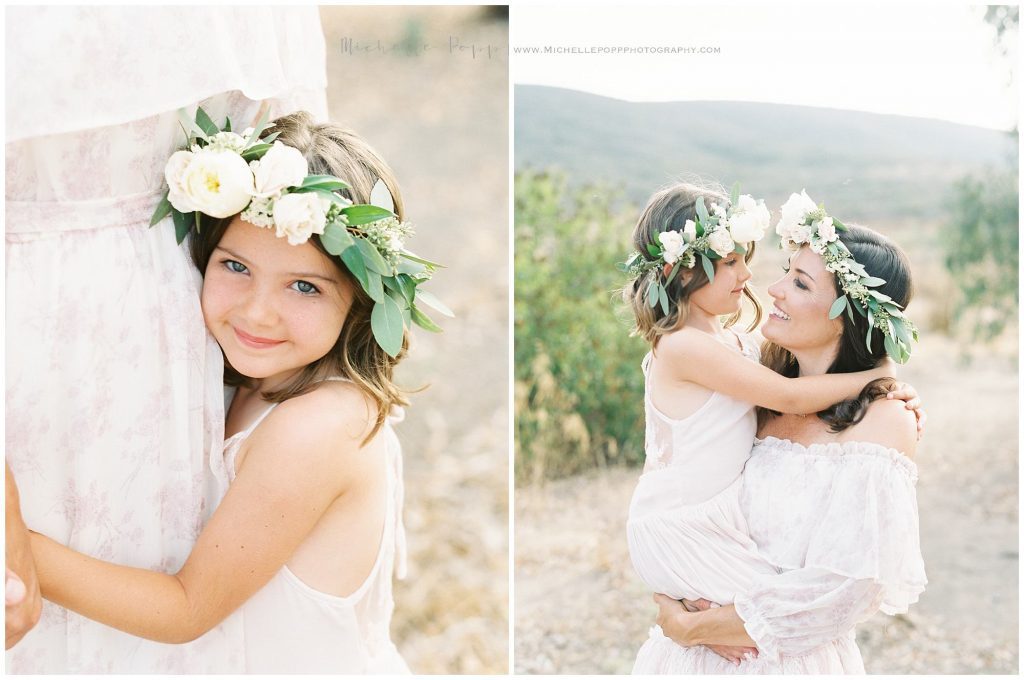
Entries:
{"x":687,"y":536}
{"x":306,"y":538}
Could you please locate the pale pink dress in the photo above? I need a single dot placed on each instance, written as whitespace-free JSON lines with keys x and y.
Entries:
{"x":113,"y":387}
{"x":806,"y":542}
{"x":290,"y":627}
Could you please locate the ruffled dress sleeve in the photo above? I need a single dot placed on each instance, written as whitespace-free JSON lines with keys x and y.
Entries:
{"x":841,"y":522}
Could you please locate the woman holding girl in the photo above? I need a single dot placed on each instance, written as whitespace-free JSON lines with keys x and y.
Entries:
{"x":787,"y":533}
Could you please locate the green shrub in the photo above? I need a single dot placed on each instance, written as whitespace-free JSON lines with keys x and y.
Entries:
{"x":579,"y":387}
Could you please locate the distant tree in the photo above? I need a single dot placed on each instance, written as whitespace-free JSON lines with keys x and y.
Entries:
{"x":981,"y":247}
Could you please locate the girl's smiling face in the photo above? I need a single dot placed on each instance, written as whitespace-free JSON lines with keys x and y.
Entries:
{"x":274,"y":308}
{"x":723,"y":296}
{"x":803,"y":297}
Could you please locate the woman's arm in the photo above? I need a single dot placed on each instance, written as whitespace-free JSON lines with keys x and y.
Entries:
{"x":296,"y":465}
{"x":696,"y":357}
{"x":715,"y":626}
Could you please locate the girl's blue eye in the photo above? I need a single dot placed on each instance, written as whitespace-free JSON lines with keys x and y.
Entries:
{"x":305,"y":287}
{"x":235,"y":266}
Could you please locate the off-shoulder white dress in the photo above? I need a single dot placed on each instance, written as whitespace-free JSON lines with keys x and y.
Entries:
{"x":806,"y":541}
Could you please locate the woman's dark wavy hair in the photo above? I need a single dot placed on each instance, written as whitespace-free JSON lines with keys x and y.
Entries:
{"x":883,"y":259}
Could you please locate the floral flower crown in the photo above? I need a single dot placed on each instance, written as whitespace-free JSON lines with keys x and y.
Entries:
{"x":223,"y":173}
{"x":803,"y":222}
{"x":713,"y":236}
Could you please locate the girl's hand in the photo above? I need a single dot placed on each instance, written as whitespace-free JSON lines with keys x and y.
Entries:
{"x":907,"y":393}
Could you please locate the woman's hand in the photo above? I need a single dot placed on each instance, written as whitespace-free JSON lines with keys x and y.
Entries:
{"x":907,"y":393}
{"x":674,"y":619}
{"x":731,"y":654}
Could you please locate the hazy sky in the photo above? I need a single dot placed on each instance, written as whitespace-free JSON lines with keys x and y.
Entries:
{"x":932,"y":61}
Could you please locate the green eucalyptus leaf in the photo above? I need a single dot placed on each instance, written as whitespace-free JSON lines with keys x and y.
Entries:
{"x":227,"y":124}
{"x":192,"y":131}
{"x":857,"y":307}
{"x":654,"y":251}
{"x":872,"y":281}
{"x":323,"y":182}
{"x":388,"y":326}
{"x":740,"y":249}
{"x":353,"y":259}
{"x":416,"y":258}
{"x":424,"y":321}
{"x":183,"y":223}
{"x":163,"y":209}
{"x":837,"y":307}
{"x":256,"y":152}
{"x":431,"y":300}
{"x":849,"y":312}
{"x":701,"y":209}
{"x":365,"y":213}
{"x":652,"y":294}
{"x":205,"y":122}
{"x":709,"y":268}
{"x":375,"y":287}
{"x":881,"y":297}
{"x":838,"y":225}
{"x":734,"y":195}
{"x":372,"y":258}
{"x":663,"y":299}
{"x":336,"y":239}
{"x":672,"y":274}
{"x":269,"y":139}
{"x":893,"y":351}
{"x":258,"y":128}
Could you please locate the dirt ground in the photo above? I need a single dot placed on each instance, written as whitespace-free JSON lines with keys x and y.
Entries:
{"x":408,"y":80}
{"x":581,"y":609}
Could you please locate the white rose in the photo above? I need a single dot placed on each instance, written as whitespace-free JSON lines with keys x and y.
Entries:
{"x":281,"y":167}
{"x":721,"y":242}
{"x":215,"y":182}
{"x":298,"y":216}
{"x":826,"y":230}
{"x":793,"y":211}
{"x":690,"y":230}
{"x":672,"y":245}
{"x":750,"y":220}
{"x":800,"y":233}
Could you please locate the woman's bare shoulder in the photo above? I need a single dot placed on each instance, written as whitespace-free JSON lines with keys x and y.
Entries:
{"x":888,"y":423}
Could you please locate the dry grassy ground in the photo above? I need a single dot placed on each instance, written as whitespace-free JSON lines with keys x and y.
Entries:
{"x":581,"y":609}
{"x":440,"y":118}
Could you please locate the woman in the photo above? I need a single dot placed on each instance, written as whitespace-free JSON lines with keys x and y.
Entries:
{"x":829,"y":500}
{"x":114,"y":387}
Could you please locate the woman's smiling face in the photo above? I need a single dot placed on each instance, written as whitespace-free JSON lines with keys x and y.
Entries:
{"x":799,"y":318}
{"x":274,"y":308}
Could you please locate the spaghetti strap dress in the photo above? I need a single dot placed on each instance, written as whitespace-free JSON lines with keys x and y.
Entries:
{"x":290,"y":627}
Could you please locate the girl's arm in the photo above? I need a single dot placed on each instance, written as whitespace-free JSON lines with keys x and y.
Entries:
{"x":288,"y":479}
{"x":694,"y":356}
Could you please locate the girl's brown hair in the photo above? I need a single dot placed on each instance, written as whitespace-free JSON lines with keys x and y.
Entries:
{"x":331,"y":149}
{"x":881,"y":258}
{"x":668,"y":210}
